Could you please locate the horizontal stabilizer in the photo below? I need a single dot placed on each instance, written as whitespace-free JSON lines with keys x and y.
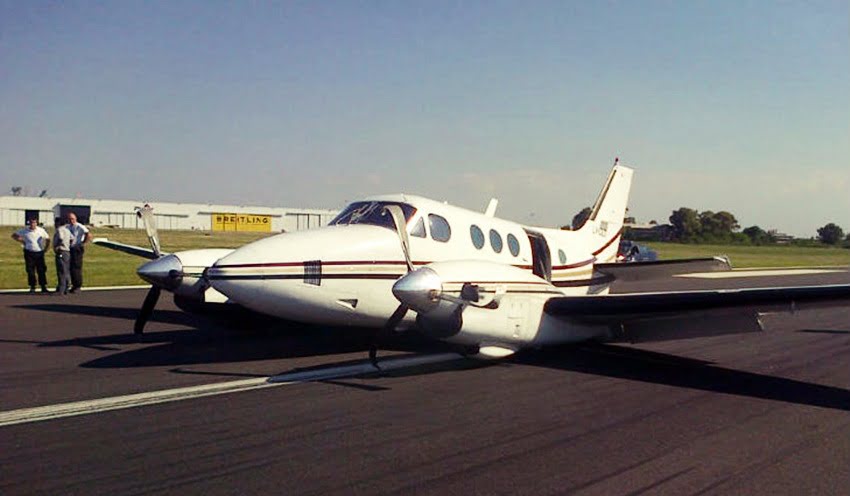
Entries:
{"x":132,"y":250}
{"x":642,"y":271}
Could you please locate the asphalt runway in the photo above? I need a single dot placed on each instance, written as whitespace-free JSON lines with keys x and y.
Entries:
{"x":760,"y":413}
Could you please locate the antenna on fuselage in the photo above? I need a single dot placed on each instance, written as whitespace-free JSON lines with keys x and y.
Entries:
{"x":491,"y":207}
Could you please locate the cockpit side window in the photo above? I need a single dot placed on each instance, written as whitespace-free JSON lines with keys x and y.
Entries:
{"x":439,"y":226}
{"x":418,"y":230}
{"x":371,"y":212}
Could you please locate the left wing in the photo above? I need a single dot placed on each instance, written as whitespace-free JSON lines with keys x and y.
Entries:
{"x":146,"y":215}
{"x":132,"y":250}
{"x":658,"y":316}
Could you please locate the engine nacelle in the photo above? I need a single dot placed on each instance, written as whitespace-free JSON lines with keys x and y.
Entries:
{"x":476,"y":303}
{"x":182,"y":273}
{"x":194,"y":263}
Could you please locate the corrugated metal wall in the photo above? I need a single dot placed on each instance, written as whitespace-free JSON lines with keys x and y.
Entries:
{"x":169,"y":216}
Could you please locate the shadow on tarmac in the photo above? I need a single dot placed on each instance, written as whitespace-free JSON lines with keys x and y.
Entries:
{"x":824,"y":331}
{"x":210,"y":342}
{"x":164,"y":316}
{"x":660,"y":368}
{"x":219,"y":339}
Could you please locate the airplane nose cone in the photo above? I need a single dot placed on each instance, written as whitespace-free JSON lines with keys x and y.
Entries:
{"x":165,"y":272}
{"x":420,"y":289}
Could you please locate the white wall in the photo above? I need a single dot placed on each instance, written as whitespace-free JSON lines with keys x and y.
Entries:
{"x":169,"y":216}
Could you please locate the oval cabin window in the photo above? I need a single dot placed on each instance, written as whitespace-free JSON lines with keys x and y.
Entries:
{"x":477,"y":236}
{"x":513,"y":245}
{"x":496,"y":241}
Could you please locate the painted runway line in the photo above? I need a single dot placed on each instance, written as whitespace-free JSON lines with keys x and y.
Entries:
{"x":88,"y":407}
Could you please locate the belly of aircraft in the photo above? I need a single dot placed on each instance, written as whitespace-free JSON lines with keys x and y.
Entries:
{"x":345,"y":303}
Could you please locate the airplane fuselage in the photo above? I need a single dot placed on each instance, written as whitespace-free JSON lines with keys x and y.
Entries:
{"x":343,"y":274}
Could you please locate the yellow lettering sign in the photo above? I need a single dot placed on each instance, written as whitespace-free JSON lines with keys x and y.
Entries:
{"x":241,"y":222}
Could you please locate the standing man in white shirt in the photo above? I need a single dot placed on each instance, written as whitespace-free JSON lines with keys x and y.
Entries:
{"x":62,"y":249}
{"x":35,"y":240}
{"x":80,"y":235}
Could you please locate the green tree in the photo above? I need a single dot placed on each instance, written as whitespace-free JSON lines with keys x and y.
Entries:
{"x":717,"y":226}
{"x":686,"y":224}
{"x":727,"y":222}
{"x":830,"y":234}
{"x":580,"y":218}
{"x":758,"y":236}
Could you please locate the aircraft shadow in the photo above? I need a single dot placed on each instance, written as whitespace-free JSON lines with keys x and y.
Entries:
{"x":165,"y":316}
{"x":241,"y":322}
{"x":220,"y":339}
{"x":824,"y":331}
{"x":211,"y":342}
{"x":182,"y":348}
{"x":660,"y":368}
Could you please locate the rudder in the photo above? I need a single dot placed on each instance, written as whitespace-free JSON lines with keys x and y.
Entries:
{"x":605,"y":224}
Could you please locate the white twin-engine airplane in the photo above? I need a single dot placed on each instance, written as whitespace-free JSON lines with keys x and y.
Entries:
{"x":403,"y":261}
{"x":398,"y":262}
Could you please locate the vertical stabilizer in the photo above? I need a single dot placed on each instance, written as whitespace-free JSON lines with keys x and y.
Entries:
{"x":605,"y":224}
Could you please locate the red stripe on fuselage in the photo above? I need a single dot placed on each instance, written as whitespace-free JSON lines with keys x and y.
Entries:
{"x":609,"y":243}
{"x":332,"y":263}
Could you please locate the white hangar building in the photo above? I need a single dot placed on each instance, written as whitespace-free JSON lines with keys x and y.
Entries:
{"x":15,"y":210}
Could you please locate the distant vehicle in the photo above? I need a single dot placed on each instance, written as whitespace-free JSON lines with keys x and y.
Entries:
{"x":629,"y":251}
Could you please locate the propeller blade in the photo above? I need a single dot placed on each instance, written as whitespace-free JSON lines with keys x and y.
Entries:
{"x":396,"y":317}
{"x":400,"y":223}
{"x":400,"y":227}
{"x":389,"y":327}
{"x":147,"y":310}
{"x":146,"y":214}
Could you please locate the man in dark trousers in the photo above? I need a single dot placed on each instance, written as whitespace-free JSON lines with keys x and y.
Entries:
{"x":62,"y":249}
{"x":35,"y":240}
{"x":80,"y":235}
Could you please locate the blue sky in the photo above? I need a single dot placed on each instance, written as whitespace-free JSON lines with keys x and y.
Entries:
{"x":742,"y":106}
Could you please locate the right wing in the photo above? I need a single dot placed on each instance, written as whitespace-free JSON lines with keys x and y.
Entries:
{"x":132,"y":250}
{"x":661,"y":316}
{"x":641,"y":271}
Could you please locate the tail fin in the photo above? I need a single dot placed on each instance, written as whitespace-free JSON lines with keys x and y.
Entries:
{"x":605,"y":224}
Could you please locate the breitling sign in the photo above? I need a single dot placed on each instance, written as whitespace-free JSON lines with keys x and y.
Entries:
{"x":241,"y":222}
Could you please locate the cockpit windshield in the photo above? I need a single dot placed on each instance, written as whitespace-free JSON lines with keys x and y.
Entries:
{"x":371,"y":212}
